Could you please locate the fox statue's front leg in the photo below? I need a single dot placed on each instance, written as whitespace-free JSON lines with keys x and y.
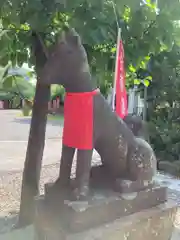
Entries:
{"x":83,"y":168}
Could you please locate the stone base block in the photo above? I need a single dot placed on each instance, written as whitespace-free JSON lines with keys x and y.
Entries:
{"x":105,"y":210}
{"x":152,"y":224}
{"x":103,"y":206}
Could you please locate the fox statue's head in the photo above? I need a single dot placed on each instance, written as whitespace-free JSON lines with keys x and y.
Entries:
{"x":67,"y":64}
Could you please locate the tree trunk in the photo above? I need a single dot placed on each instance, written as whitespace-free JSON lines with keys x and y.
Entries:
{"x":34,"y":154}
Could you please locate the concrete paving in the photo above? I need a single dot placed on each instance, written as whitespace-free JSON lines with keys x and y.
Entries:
{"x":16,"y":128}
{"x":14,"y":131}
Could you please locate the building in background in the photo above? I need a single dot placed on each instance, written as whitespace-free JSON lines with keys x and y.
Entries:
{"x":135,"y":102}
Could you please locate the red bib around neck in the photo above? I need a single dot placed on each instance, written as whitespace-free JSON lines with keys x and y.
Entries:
{"x":78,"y":120}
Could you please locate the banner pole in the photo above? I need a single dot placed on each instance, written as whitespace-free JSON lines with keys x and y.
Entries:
{"x":116,"y":69}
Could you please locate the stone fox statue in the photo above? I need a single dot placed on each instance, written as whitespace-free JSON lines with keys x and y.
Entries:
{"x":90,"y":124}
{"x":137,"y":126}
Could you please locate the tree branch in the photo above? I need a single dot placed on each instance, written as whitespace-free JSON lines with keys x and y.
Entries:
{"x":44,"y":48}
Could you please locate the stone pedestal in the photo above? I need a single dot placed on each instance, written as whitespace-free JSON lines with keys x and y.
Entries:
{"x":152,"y":224}
{"x":106,"y":215}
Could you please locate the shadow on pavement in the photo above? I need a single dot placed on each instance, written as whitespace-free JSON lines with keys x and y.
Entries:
{"x":28,"y":121}
{"x":22,"y":120}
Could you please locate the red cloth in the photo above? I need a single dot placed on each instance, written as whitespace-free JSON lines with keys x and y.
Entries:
{"x":78,"y":120}
{"x":121,"y":94}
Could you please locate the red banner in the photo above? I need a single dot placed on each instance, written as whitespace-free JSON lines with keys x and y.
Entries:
{"x":120,"y":89}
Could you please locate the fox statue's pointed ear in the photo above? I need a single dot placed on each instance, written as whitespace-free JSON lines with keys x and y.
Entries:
{"x":72,"y":37}
{"x":61,"y":38}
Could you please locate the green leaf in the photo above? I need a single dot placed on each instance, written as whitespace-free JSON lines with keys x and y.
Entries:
{"x":147,"y":58}
{"x":3,"y":32}
{"x":146,"y":82}
{"x":149,"y":78}
{"x":3,"y":71}
{"x":8,"y":83}
{"x":137,"y":81}
{"x":142,"y":65}
{"x":113,"y":50}
{"x":131,"y":68}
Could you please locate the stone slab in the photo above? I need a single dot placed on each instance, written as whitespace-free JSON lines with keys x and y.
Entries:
{"x":103,"y":207}
{"x":155,"y":223}
{"x":20,"y":234}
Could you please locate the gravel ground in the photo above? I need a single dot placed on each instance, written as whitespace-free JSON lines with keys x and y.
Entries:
{"x":10,"y":187}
